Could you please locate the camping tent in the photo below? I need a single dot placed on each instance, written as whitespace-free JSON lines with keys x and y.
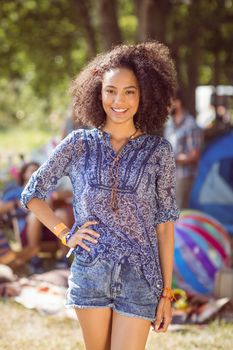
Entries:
{"x":212,"y":192}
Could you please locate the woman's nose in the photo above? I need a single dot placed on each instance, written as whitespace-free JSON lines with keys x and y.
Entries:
{"x":119,"y":98}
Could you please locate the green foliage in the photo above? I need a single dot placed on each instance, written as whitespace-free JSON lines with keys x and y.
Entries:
{"x":128,"y":20}
{"x":40,"y":35}
{"x":44,"y":44}
{"x":20,"y":106}
{"x":26,"y":140}
{"x":128,"y":25}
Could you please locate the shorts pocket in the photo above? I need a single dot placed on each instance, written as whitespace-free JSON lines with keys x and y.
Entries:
{"x":86,"y":259}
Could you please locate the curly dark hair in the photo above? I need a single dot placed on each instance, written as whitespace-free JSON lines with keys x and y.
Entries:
{"x":152,"y":65}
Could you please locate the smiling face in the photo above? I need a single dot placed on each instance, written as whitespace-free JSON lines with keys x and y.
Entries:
{"x":120,"y":95}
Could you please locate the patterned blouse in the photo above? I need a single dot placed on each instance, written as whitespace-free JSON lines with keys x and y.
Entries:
{"x":145,"y":194}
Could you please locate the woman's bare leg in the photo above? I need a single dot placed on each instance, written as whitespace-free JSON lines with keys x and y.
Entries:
{"x":96,"y":327}
{"x":129,"y":333}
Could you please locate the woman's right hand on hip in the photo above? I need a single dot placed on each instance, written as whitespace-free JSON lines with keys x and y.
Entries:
{"x":84,"y":233}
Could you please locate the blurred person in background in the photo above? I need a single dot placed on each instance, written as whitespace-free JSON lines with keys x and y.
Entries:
{"x":186,"y":139}
{"x":29,"y":229}
{"x":71,"y":124}
{"x":14,"y":216}
{"x":10,"y":200}
{"x":220,"y":121}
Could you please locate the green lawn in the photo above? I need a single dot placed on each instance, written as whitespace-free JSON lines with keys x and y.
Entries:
{"x":24,"y":329}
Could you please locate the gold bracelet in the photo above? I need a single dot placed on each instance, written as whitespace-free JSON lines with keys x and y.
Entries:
{"x":63,"y":239}
{"x":59,"y":229}
{"x":168,"y":294}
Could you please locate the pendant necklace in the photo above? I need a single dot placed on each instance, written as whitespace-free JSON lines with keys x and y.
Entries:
{"x":114,"y":176}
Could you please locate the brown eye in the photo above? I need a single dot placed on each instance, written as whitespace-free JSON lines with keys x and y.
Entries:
{"x":129,"y":92}
{"x":109,"y":91}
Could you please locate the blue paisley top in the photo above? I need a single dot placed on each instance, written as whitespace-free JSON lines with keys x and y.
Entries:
{"x":145,"y":194}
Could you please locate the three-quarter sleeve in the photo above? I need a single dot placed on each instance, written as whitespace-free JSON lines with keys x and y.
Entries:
{"x":166,"y":186}
{"x":45,"y":179}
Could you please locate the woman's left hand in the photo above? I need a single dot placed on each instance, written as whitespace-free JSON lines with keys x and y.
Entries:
{"x":163,"y":316}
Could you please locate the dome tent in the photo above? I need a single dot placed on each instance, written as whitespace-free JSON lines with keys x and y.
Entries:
{"x":212,"y":192}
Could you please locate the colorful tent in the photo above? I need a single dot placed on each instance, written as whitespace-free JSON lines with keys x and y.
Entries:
{"x":212,"y":191}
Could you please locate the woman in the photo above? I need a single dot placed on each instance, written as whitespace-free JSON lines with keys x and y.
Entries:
{"x":124,"y":197}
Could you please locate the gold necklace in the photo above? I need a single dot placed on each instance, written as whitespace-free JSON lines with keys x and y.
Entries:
{"x":115,"y":163}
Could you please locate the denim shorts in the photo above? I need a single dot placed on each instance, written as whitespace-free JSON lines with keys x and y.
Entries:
{"x":105,"y":283}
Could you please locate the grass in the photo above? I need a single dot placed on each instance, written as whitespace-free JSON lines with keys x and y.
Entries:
{"x":24,"y":329}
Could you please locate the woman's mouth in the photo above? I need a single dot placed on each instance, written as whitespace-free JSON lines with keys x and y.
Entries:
{"x":119,"y":110}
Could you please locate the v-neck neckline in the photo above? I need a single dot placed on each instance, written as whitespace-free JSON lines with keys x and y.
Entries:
{"x":107,"y":136}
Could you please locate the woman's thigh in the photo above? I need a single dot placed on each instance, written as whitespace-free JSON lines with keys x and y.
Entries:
{"x":96,"y":327}
{"x":129,"y":333}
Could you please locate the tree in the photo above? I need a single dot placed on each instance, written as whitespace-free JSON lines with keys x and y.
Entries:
{"x":108,"y":23}
{"x":152,"y":17}
{"x":81,"y":11}
{"x":45,"y":43}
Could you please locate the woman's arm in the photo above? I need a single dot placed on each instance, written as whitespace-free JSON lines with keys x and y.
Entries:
{"x":168,"y":212}
{"x":44,"y":213}
{"x":44,"y":181}
{"x":165,"y":234}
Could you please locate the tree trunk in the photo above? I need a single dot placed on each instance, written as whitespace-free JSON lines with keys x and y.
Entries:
{"x":193,"y":72}
{"x":152,"y":16}
{"x":216,"y":78}
{"x":193,"y":54}
{"x":108,"y":24}
{"x":81,"y":11}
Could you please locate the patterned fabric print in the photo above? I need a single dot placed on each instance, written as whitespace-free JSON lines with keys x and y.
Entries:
{"x":145,"y":194}
{"x":184,"y":138}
